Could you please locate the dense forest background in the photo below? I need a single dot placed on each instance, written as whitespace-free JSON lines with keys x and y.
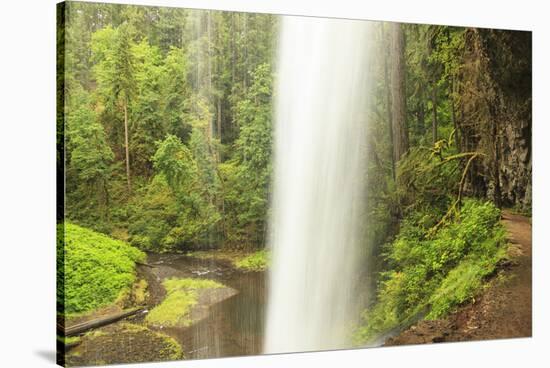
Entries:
{"x":166,"y":116}
{"x":167,"y":124}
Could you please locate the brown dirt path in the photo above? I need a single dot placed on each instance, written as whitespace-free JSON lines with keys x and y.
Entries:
{"x":503,"y":310}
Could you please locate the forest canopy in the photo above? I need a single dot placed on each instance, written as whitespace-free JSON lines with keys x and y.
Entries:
{"x":167,"y":124}
{"x":167,"y":119}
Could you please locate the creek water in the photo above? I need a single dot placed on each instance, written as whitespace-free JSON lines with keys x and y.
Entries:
{"x":319,"y":183}
{"x":233,"y":327}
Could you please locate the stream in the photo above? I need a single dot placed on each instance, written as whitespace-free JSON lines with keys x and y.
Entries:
{"x":234,"y":326}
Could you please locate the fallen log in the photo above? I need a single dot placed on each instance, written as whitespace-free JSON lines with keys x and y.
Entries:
{"x":100,"y":322}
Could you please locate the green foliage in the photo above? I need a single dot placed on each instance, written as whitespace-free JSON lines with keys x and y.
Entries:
{"x":146,"y":108}
{"x":429,"y":177}
{"x":174,"y":160}
{"x":435,"y":274}
{"x":90,"y":154}
{"x":114,"y":65}
{"x":248,"y":174}
{"x":197,"y":83}
{"x":96,"y":270}
{"x":88,"y":159}
{"x":182,"y":295}
{"x":257,"y":261}
{"x":176,"y":94}
{"x":153,"y":216}
{"x":173,"y":209}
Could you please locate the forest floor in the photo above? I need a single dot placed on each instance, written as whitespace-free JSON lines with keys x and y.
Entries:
{"x":502,"y":310}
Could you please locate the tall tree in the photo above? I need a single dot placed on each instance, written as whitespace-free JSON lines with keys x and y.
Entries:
{"x":434,"y":112}
{"x":388,"y":91}
{"x":124,"y":85}
{"x":114,"y":72}
{"x":398,"y":97}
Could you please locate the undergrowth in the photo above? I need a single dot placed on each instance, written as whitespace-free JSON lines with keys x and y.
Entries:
{"x":93,"y":269}
{"x":430,"y":274}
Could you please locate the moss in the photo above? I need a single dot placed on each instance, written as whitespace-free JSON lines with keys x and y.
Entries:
{"x":139,"y":292}
{"x":245,"y":261}
{"x":114,"y":346}
{"x":174,"y":309}
{"x":182,"y":295}
{"x":258,"y":261}
{"x":97,"y":270}
{"x":174,"y":284}
{"x":132,"y":327}
{"x":171,"y":350}
{"x":69,"y":340}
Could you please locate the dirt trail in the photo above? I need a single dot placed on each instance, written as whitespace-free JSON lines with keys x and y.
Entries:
{"x":504,"y":308}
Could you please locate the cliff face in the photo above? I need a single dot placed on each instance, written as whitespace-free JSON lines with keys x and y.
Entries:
{"x":495,"y":114}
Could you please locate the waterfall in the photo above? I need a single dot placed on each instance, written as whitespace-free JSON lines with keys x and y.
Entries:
{"x":318,"y":188}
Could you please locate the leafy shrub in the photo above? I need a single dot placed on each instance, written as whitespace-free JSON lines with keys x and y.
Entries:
{"x":433,"y":275}
{"x":96,"y":270}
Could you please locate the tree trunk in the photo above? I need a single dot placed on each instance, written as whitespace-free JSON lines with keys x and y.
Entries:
{"x":399,"y":112}
{"x":198,"y":52}
{"x":233,"y":46}
{"x":209,"y":31}
{"x":434,"y":113}
{"x":421,"y":117}
{"x":388,"y":101}
{"x":126,"y":146}
{"x":219,"y":118}
{"x":245,"y":33}
{"x":96,"y":323}
{"x":453,"y":116}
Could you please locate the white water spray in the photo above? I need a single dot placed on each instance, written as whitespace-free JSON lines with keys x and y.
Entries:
{"x":320,"y":140}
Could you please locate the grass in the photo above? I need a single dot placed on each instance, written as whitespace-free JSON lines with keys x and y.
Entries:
{"x":431,"y":276}
{"x":93,"y":269}
{"x":182,"y":295}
